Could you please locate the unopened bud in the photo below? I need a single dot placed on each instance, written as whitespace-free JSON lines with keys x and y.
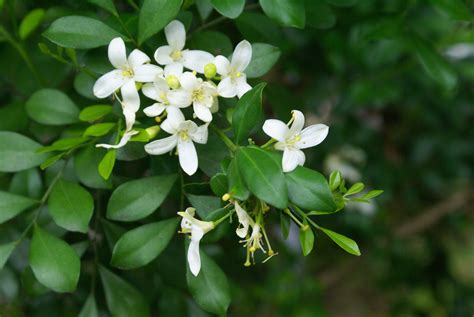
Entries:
{"x":226,"y":197}
{"x":158,"y":119}
{"x":210,"y":70}
{"x":153,"y":131}
{"x":172,"y":81}
{"x":138,"y":85}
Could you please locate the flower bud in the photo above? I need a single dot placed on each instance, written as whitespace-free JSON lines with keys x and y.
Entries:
{"x":210,"y":70}
{"x":172,"y":81}
{"x":138,"y":85}
{"x":226,"y":197}
{"x":153,"y":131}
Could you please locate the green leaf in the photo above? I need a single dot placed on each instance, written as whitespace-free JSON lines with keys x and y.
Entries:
{"x":216,"y":43}
{"x":90,"y":308}
{"x":11,"y":205}
{"x":141,"y":245}
{"x":85,"y":166}
{"x":71,"y":206}
{"x":107,"y":5}
{"x":456,"y":9}
{"x":123,"y":300}
{"x":210,"y":289}
{"x":18,"y":153}
{"x":319,"y":15}
{"x":95,"y":112}
{"x":286,"y":12}
{"x":30,"y":22}
{"x":285,"y":225}
{"x":204,"y":8}
{"x":112,"y":232}
{"x":80,"y":32}
{"x":237,"y":187}
{"x":433,"y":63}
{"x":63,"y":144}
{"x":342,"y":3}
{"x":52,"y":107}
{"x":107,"y":164}
{"x":263,"y":176}
{"x":137,"y":199}
{"x":229,"y":8}
{"x":27,"y":183}
{"x":309,"y":189}
{"x":5,"y":252}
{"x":371,"y":194}
{"x":306,"y":240}
{"x":219,"y":184}
{"x":205,"y":205}
{"x":335,"y":180}
{"x":247,"y":113}
{"x":356,"y":188}
{"x":54,"y":262}
{"x":99,"y":129}
{"x":155,"y":15}
{"x":264,"y":56}
{"x":51,"y":160}
{"x":349,"y":245}
{"x":256,"y":27}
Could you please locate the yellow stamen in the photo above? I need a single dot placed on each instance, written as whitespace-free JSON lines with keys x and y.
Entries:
{"x":175,"y":55}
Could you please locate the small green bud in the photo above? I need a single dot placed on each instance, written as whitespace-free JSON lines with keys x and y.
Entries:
{"x":138,"y":85}
{"x":172,"y":81}
{"x":153,"y":131}
{"x":210,"y":70}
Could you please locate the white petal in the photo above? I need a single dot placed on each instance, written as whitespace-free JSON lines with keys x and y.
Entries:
{"x":196,"y":60}
{"x":130,"y":97}
{"x":298,"y":122}
{"x":227,"y":88}
{"x":117,"y":53}
{"x":175,"y":69}
{"x":130,"y":116}
{"x":173,"y":121}
{"x":147,"y":73}
{"x":312,"y":135}
{"x":222,"y":65}
{"x":137,"y":58}
{"x":108,"y":83}
{"x":201,"y":134}
{"x":275,"y":129}
{"x":162,"y":55}
{"x":124,"y":140}
{"x":162,"y":146}
{"x":291,"y":158}
{"x":242,"y":56}
{"x":180,"y":98}
{"x":194,"y":258}
{"x":189,"y":126}
{"x":189,"y":81}
{"x":150,"y":91}
{"x":301,"y":158}
{"x":244,"y":220}
{"x":215,"y":104}
{"x":202,"y":112}
{"x":175,"y":35}
{"x":242,"y":86}
{"x":187,"y":156}
{"x":154,"y":110}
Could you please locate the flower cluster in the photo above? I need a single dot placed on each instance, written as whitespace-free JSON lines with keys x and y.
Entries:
{"x":174,"y":87}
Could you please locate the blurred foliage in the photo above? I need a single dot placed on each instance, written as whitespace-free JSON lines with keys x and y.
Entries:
{"x":393,"y":80}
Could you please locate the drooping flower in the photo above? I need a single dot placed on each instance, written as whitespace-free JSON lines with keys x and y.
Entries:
{"x":183,"y":134}
{"x":254,"y":242}
{"x":234,"y":79}
{"x":294,"y":138}
{"x":174,"y":52}
{"x":201,"y":94}
{"x":197,"y":229}
{"x":245,"y":221}
{"x":124,"y":140}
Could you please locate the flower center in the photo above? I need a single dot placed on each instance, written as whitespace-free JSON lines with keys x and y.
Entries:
{"x":294,"y":139}
{"x":183,"y":135}
{"x":198,"y":95}
{"x":128,"y":72}
{"x":234,"y":73}
{"x":164,"y":98}
{"x":175,"y":55}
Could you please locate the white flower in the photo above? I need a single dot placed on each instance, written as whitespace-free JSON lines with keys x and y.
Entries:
{"x":244,"y":220}
{"x":124,"y":140}
{"x":174,"y":52}
{"x":254,"y":242}
{"x":158,"y":90}
{"x":291,"y":140}
{"x":234,"y":80}
{"x":127,"y":72}
{"x":197,"y":228}
{"x":201,"y":94}
{"x":183,"y":133}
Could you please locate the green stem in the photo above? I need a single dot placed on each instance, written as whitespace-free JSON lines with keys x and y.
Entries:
{"x":218,"y":221}
{"x":228,"y":142}
{"x":296,"y":220}
{"x":302,"y":214}
{"x":23,"y":53}
{"x":270,"y":142}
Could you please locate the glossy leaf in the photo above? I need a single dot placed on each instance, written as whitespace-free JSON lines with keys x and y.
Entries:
{"x":309,"y":190}
{"x":306,"y":240}
{"x":99,"y":129}
{"x":229,"y":8}
{"x":141,"y":245}
{"x":107,"y":5}
{"x":85,"y":166}
{"x":237,"y":187}
{"x":137,"y":199}
{"x":71,"y":206}
{"x":285,"y":225}
{"x":5,"y":252}
{"x":11,"y":205}
{"x":90,"y":308}
{"x":285,"y":12}
{"x":349,"y":245}
{"x":107,"y":164}
{"x":18,"y":153}
{"x":247,"y":113}
{"x":264,"y":56}
{"x":219,"y":184}
{"x":80,"y":32}
{"x":52,"y":107}
{"x":95,"y":112}
{"x":123,"y":300}
{"x":263,"y":176}
{"x":30,"y":23}
{"x":155,"y":15}
{"x":54,"y":262}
